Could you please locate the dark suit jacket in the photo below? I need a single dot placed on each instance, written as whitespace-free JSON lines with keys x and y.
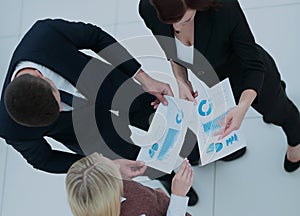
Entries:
{"x":56,"y":44}
{"x":223,"y":37}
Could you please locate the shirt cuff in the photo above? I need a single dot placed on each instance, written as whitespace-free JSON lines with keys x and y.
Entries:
{"x":177,"y":205}
{"x":136,"y":73}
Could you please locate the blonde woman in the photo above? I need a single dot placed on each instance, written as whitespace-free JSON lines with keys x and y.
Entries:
{"x":95,"y":187}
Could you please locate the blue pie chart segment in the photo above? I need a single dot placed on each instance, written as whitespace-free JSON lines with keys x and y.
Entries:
{"x":201,"y":110}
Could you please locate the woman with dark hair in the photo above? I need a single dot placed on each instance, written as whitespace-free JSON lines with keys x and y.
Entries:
{"x":174,"y":13}
{"x":218,"y":30}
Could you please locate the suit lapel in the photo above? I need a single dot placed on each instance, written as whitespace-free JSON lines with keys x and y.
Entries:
{"x":203,"y":29}
{"x":204,"y":24}
{"x":166,"y":38}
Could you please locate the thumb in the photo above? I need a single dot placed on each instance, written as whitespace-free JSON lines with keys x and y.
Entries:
{"x":139,"y":163}
{"x":161,"y":98}
{"x":226,"y":126}
{"x":168,"y":91}
{"x":191,"y":98}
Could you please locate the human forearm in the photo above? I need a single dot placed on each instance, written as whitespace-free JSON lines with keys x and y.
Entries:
{"x":185,"y":87}
{"x":141,"y":76}
{"x":154,"y":87}
{"x":235,"y":116}
{"x":180,"y":73}
{"x":246,"y":99}
{"x":250,"y":55}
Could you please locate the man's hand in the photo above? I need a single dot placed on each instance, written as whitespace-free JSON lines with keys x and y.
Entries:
{"x":154,"y":87}
{"x":129,"y":168}
{"x":183,"y":180}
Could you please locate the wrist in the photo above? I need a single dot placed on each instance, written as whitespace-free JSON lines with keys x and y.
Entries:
{"x":141,"y":76}
{"x":181,"y":81}
{"x":178,"y":194}
{"x":246,"y":99}
{"x":243,"y":107}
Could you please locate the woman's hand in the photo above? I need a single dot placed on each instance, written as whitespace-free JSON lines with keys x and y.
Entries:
{"x":235,"y":116}
{"x":183,"y":180}
{"x":232,"y":121}
{"x":186,"y":91}
{"x":185,"y":87}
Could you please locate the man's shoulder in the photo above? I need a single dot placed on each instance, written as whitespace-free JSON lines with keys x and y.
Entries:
{"x":11,"y":130}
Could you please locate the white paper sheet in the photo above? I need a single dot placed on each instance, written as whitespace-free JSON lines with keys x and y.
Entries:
{"x":162,"y":143}
{"x":212,"y":107}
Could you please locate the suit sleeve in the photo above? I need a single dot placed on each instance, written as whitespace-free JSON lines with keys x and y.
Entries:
{"x":39,"y":154}
{"x":243,"y":44}
{"x":88,"y":36}
{"x":159,"y":29}
{"x":148,"y":14}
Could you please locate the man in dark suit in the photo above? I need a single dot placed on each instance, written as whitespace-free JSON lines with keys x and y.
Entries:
{"x":43,"y":78}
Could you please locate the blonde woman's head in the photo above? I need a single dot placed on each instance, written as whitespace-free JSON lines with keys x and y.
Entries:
{"x":94,"y":187}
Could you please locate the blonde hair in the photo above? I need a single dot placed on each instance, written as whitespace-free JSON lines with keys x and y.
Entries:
{"x":94,"y":187}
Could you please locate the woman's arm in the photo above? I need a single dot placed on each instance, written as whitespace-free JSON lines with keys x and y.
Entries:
{"x":243,"y":44}
{"x":184,"y":85}
{"x":181,"y":184}
{"x":235,"y":116}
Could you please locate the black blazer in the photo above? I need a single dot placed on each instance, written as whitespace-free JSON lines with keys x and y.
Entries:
{"x":56,"y":44}
{"x":223,"y":37}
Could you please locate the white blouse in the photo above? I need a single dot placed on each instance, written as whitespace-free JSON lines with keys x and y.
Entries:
{"x":184,"y":52}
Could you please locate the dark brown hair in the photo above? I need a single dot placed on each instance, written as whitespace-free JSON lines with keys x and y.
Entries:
{"x":29,"y":101}
{"x":171,"y":11}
